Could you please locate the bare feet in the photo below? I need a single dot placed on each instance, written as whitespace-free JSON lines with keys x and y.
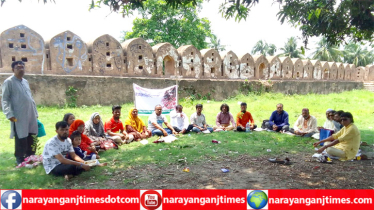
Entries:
{"x":103,"y":164}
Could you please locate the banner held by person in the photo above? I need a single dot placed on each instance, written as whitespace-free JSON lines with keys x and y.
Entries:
{"x":146,"y":99}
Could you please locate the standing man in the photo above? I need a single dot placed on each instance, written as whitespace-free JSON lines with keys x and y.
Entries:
{"x":305,"y":125}
{"x":243,"y":117}
{"x":20,"y":109}
{"x":179,"y":120}
{"x":155,"y":121}
{"x":278,"y":120}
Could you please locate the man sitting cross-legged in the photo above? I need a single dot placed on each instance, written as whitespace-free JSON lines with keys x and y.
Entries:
{"x":345,"y":143}
{"x":114,"y":127}
{"x":179,"y":120}
{"x":198,"y":120}
{"x":305,"y":125}
{"x":243,"y":117}
{"x":155,"y":121}
{"x":55,"y":151}
{"x":278,"y":120}
{"x":223,"y":119}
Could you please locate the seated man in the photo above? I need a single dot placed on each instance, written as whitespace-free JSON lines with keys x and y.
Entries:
{"x":337,"y":120}
{"x":55,"y":151}
{"x":155,"y":121}
{"x":243,"y":117}
{"x":345,"y":143}
{"x":114,"y":127}
{"x":305,"y":125}
{"x":278,"y":120}
{"x":223,"y":119}
{"x":328,"y":125}
{"x":198,"y":120}
{"x":179,"y":120}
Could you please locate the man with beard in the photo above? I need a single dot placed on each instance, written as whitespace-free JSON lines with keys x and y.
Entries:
{"x":305,"y":125}
{"x":114,"y":127}
{"x":20,"y":109}
{"x":55,"y":151}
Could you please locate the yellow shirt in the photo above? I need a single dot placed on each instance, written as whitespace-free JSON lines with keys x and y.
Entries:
{"x":349,"y":141}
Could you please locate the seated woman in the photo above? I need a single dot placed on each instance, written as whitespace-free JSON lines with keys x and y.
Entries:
{"x":345,"y":143}
{"x":69,"y":118}
{"x":135,"y":126}
{"x":86,"y":143}
{"x":94,"y":128}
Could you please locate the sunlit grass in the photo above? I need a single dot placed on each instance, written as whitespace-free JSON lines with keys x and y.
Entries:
{"x":195,"y":148}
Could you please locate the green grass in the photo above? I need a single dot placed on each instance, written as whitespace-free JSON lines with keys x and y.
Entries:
{"x":191,"y":148}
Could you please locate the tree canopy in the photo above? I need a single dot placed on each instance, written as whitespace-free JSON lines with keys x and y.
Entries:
{"x":338,"y":21}
{"x":290,"y":49}
{"x":264,"y":48}
{"x":178,"y":26}
{"x":327,"y":52}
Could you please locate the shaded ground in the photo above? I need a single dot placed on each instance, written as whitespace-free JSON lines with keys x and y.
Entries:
{"x":245,"y":173}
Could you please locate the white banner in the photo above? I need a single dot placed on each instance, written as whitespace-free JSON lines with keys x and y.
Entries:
{"x":147,"y":99}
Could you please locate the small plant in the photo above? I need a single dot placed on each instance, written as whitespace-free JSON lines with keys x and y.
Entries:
{"x":71,"y":94}
{"x":36,"y":144}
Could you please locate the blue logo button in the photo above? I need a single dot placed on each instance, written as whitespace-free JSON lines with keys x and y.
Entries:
{"x":11,"y":199}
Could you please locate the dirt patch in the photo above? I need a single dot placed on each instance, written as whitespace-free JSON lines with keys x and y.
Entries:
{"x":248,"y":173}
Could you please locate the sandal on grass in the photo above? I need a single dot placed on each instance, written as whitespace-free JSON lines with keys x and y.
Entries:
{"x":280,"y":161}
{"x":324,"y":159}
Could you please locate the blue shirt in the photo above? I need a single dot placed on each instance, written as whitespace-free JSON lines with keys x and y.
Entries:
{"x":279,"y":119}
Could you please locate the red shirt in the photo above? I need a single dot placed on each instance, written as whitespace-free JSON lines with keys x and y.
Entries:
{"x":113,"y":126}
{"x":243,"y":118}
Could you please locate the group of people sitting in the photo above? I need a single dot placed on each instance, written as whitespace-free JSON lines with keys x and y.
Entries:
{"x":64,"y":157}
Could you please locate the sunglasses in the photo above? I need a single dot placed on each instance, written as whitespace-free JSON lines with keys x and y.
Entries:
{"x":344,"y":119}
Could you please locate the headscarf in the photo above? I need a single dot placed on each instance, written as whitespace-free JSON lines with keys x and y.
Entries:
{"x":134,"y":122}
{"x":74,"y":126}
{"x":93,"y":129}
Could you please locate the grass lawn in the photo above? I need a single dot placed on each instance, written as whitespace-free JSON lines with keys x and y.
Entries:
{"x":189,"y":149}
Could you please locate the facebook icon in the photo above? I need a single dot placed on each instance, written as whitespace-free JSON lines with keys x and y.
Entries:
{"x":11,"y":199}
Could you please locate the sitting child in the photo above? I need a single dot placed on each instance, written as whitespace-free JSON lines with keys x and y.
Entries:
{"x":76,"y":141}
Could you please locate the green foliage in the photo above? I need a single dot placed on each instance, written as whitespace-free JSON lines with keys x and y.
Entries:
{"x":71,"y":94}
{"x":264,"y":48}
{"x":193,"y":149}
{"x":335,"y":20}
{"x":35,"y":147}
{"x":178,"y":26}
{"x":290,"y":49}
{"x":327,"y":52}
{"x":215,"y":43}
{"x":356,"y":54}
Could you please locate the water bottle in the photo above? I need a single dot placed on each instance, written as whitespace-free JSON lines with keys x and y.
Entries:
{"x":247,"y":127}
